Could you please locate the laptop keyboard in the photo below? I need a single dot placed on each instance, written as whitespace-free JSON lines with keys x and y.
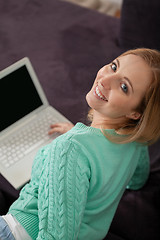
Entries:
{"x":22,"y":143}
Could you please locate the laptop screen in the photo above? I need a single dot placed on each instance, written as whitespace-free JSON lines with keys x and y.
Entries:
{"x":18,"y":97}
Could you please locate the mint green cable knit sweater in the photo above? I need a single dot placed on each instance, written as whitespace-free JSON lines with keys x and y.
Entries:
{"x":77,"y":182}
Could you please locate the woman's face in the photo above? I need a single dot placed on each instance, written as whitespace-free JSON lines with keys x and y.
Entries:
{"x":119,"y":88}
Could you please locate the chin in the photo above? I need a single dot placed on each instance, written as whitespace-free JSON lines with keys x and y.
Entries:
{"x":89,"y":100}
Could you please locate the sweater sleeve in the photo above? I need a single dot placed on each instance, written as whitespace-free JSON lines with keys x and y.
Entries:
{"x":63,"y":192}
{"x":141,"y":173}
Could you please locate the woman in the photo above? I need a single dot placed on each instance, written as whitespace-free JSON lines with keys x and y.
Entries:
{"x":78,"y":180}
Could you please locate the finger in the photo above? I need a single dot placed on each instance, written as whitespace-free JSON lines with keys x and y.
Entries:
{"x":55,"y":125}
{"x":61,"y":127}
{"x":54,"y":130}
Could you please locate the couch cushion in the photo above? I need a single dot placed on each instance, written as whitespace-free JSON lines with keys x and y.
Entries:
{"x":66,"y":44}
{"x":140,"y":24}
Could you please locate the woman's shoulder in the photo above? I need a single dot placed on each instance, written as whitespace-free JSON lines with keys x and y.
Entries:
{"x":84,"y":136}
{"x":79,"y":133}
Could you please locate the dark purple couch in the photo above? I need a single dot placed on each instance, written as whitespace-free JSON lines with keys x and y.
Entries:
{"x":67,"y":44}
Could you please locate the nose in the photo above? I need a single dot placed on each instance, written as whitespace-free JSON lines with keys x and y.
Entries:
{"x":106,"y":78}
{"x":105,"y":82}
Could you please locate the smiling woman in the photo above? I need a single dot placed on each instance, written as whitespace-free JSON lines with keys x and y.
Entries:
{"x":122,"y":86}
{"x":78,"y":180}
{"x":130,"y":85}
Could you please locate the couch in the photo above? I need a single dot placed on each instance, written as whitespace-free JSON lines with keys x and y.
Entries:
{"x":67,"y":44}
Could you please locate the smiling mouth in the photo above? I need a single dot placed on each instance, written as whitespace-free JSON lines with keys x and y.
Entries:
{"x":100,"y":95}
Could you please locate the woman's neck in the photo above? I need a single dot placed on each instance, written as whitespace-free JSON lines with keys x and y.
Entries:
{"x":102,"y":122}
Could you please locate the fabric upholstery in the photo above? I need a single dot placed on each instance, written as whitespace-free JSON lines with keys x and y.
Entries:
{"x":139,"y":24}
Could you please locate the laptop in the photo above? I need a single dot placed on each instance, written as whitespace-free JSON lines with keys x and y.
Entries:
{"x":24,"y":122}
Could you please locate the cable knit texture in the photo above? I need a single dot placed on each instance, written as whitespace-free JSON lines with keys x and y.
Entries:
{"x":77,"y":182}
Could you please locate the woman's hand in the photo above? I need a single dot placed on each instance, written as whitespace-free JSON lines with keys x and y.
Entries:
{"x":60,"y":127}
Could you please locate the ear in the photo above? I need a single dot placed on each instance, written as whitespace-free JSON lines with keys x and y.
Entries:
{"x":134,"y":115}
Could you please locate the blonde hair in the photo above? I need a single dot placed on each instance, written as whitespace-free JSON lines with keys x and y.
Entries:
{"x":147,"y":128}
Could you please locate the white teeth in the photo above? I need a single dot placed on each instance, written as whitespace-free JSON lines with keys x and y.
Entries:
{"x":99,"y":94}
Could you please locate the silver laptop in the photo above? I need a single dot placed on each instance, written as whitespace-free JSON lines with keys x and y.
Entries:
{"x":24,"y":121}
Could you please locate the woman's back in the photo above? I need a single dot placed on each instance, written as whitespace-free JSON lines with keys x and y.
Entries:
{"x":77,"y":182}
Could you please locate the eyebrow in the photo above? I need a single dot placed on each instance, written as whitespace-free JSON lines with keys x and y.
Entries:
{"x":127,"y":79}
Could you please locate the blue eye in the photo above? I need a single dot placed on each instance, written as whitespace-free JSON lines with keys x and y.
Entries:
{"x":124,"y":88}
{"x":113,"y":66}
